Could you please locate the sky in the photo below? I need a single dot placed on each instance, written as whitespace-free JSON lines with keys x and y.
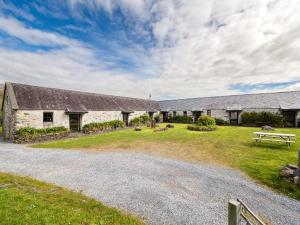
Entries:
{"x":164,"y":48}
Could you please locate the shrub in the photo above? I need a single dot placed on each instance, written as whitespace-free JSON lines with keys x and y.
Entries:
{"x":206,"y":121}
{"x":139,"y":121}
{"x":33,"y":132}
{"x":262,"y":118}
{"x":135,"y":122}
{"x":221,"y":122}
{"x":180,"y":119}
{"x":201,"y":128}
{"x":170,"y":126}
{"x":94,"y":127}
{"x":157,"y":119}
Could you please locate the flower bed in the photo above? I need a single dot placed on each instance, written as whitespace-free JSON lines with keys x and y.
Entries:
{"x":29,"y":134}
{"x":103,"y":126}
{"x":204,"y":123}
{"x":201,"y":128}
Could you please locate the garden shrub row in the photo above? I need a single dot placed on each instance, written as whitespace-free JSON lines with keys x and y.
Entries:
{"x":221,"y":122}
{"x":180,"y":119}
{"x":140,"y":121}
{"x":33,"y":132}
{"x":262,"y":118}
{"x":110,"y":125}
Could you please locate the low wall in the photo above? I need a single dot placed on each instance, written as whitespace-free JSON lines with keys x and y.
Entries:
{"x":41,"y":138}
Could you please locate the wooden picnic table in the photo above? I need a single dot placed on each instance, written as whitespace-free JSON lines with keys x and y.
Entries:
{"x":276,"y":137}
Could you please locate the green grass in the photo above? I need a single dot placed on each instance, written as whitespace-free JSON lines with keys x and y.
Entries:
{"x":27,"y":201}
{"x":229,"y":146}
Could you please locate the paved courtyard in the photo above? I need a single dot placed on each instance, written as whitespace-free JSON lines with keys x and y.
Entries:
{"x":159,"y":190}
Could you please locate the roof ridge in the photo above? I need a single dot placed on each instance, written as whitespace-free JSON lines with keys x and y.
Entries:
{"x":218,"y":96}
{"x":82,"y":92}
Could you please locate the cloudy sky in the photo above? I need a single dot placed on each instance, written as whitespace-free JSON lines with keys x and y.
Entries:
{"x":169,"y":48}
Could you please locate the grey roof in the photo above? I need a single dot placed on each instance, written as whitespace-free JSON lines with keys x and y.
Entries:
{"x":41,"y":98}
{"x":279,"y":100}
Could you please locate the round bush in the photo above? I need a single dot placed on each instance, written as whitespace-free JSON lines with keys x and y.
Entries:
{"x":206,"y":121}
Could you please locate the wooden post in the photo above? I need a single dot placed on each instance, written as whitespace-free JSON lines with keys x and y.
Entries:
{"x":234,"y":210}
{"x":299,"y":168}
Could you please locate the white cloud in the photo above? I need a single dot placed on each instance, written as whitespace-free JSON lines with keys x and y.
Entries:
{"x":32,"y":36}
{"x":203,"y":46}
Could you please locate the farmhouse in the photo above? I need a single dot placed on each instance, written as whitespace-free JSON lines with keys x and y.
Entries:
{"x":230,"y":108}
{"x":40,"y":107}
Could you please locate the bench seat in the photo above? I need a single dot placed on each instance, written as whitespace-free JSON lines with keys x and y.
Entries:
{"x":267,"y":139}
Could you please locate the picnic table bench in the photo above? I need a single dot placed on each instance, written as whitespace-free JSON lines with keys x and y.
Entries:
{"x":285,"y":138}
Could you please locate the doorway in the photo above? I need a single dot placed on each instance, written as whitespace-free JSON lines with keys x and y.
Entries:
{"x":289,"y":117}
{"x":196,"y":115}
{"x":74,"y":122}
{"x":234,"y":118}
{"x":165,"y":116}
{"x":125,"y":118}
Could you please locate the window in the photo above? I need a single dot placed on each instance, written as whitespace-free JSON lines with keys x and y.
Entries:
{"x":174,"y":113}
{"x":48,"y":117}
{"x":209,"y":112}
{"x":185,"y":113}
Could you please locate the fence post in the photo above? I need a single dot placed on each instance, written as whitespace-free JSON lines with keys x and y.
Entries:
{"x":234,"y":210}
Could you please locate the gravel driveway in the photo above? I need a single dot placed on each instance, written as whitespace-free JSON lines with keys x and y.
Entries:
{"x":161,"y":191}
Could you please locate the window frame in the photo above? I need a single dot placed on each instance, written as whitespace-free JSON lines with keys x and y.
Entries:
{"x":185,"y":113}
{"x":174,"y":113}
{"x":208,"y":112}
{"x":50,"y":120}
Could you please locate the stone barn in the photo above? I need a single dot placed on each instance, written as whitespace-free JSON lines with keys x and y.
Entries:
{"x":230,"y":108}
{"x":41,"y":107}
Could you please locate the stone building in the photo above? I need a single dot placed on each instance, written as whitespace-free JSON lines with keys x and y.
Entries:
{"x":230,"y":108}
{"x":40,"y":107}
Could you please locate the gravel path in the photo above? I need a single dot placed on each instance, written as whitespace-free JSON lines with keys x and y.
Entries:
{"x":161,"y":191}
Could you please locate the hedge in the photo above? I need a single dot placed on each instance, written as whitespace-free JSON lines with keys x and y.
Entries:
{"x":110,"y":125}
{"x":262,"y":118}
{"x":29,"y":132}
{"x":180,"y":119}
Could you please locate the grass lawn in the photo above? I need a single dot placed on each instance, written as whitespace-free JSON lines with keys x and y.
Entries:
{"x":27,"y":201}
{"x":228,"y":146}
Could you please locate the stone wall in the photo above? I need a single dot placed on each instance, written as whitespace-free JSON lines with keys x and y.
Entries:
{"x":34,"y":118}
{"x":224,"y":114}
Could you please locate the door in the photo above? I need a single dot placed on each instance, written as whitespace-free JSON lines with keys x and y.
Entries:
{"x":234,"y":118}
{"x":125,"y":118}
{"x":74,"y":122}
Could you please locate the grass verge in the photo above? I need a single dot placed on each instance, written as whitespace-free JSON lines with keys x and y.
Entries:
{"x":229,"y":146}
{"x":27,"y":201}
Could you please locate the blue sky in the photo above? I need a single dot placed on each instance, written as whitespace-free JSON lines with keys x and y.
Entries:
{"x":169,"y":48}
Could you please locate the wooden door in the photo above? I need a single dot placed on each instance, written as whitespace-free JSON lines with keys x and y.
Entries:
{"x":74,"y":122}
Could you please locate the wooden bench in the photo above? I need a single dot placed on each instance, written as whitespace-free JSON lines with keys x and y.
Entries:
{"x":275,"y":137}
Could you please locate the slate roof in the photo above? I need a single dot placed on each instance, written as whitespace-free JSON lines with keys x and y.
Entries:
{"x":279,"y":100}
{"x":41,"y":98}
